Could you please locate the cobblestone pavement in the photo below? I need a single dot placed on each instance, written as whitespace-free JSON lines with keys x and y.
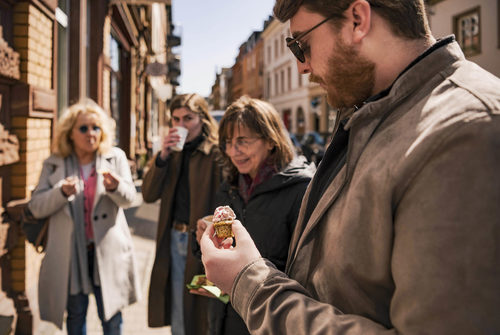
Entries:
{"x":142,"y":219}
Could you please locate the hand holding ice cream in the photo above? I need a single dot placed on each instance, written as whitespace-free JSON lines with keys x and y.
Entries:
{"x":222,"y":264}
{"x":223,"y":219}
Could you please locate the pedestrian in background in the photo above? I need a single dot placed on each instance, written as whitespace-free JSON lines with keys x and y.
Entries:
{"x":186,"y":182}
{"x":84,"y":186}
{"x":399,"y":229}
{"x":264,"y":184}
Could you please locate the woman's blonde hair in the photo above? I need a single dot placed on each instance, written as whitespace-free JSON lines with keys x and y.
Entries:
{"x":63,"y":145}
{"x":197,"y":104}
{"x":261,"y":118}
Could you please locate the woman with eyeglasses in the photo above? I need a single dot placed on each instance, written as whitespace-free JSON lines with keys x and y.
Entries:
{"x":264,"y":183}
{"x":84,"y":186}
{"x":185,"y":182}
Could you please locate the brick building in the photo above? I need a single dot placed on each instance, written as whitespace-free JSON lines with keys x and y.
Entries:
{"x":53,"y":53}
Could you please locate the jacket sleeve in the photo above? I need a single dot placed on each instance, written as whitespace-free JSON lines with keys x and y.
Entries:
{"x":47,"y":199}
{"x":153,"y":181}
{"x":445,"y":260}
{"x":270,"y":303}
{"x":125,"y":193}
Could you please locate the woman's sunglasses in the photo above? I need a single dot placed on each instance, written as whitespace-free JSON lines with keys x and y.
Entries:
{"x":294,"y":45}
{"x":84,"y":129}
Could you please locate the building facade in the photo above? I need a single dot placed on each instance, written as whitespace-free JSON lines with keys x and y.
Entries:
{"x":284,"y":86}
{"x":475,"y":24}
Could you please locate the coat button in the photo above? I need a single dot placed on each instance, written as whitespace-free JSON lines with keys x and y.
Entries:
{"x":104,"y":215}
{"x":96,"y":218}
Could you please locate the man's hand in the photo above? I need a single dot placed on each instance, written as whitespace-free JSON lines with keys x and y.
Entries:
{"x":223,"y":262}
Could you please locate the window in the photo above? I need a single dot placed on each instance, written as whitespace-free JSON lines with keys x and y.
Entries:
{"x":467,"y":29}
{"x":289,"y":75}
{"x":276,"y":48}
{"x":268,"y":87}
{"x":115,"y":83}
{"x":269,"y":52}
{"x":282,"y":81}
{"x":300,"y":79}
{"x":276,"y":84}
{"x":282,"y":42}
{"x":62,"y":56}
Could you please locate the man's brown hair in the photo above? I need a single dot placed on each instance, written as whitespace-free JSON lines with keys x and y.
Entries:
{"x":407,"y":18}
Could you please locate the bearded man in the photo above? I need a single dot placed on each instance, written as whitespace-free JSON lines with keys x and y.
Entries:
{"x":399,"y":230}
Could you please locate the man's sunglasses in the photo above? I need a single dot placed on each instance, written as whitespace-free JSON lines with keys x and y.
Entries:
{"x":294,"y":45}
{"x":84,"y":129}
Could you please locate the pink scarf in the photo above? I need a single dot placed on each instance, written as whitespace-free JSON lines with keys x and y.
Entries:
{"x":89,"y":188}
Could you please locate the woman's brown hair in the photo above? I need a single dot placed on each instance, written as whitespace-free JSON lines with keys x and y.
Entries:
{"x":261,"y":118}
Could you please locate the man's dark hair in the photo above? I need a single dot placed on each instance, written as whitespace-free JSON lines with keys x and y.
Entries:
{"x":407,"y":18}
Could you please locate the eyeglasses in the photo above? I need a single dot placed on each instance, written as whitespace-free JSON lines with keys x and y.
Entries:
{"x":241,"y":143}
{"x":294,"y":45}
{"x":84,"y":129}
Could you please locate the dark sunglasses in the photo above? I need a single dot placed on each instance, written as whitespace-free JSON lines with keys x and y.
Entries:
{"x":84,"y":129}
{"x":294,"y":45}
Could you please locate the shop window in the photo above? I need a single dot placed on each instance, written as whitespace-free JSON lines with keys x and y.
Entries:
{"x":115,"y":84}
{"x":62,"y":55}
{"x":467,"y":29}
{"x":289,"y":75}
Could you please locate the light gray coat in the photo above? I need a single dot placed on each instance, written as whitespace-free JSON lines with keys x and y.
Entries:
{"x":114,"y":251}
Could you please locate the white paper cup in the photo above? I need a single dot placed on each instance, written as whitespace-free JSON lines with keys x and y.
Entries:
{"x":183,"y":134}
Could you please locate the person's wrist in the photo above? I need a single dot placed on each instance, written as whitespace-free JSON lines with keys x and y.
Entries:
{"x":161,"y":162}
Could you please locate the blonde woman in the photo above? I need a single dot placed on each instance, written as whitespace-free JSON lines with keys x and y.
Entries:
{"x":186,"y":182}
{"x":83,"y":187}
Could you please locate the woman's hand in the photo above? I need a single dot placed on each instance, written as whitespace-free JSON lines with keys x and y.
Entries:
{"x":200,"y":229}
{"x":70,"y":186}
{"x":110,"y":181}
{"x":168,"y":141}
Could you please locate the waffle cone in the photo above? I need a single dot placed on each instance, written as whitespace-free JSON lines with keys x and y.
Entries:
{"x":223,"y":229}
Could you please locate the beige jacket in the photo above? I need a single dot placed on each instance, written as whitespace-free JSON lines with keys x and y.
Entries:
{"x":114,"y":248}
{"x":160,"y":183}
{"x":405,"y":240}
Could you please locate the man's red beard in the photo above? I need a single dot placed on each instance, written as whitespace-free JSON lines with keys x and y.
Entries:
{"x":350,"y":78}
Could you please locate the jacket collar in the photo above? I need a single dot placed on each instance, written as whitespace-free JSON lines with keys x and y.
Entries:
{"x":206,"y":147}
{"x":425,"y":69}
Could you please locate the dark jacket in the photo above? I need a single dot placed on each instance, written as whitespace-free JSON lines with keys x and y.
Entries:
{"x":160,"y":183}
{"x":270,"y":217}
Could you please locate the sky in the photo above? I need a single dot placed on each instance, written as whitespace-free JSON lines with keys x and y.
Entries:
{"x":211,"y":32}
